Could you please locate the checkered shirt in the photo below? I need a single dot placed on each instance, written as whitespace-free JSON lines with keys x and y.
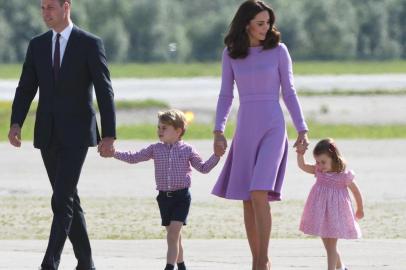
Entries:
{"x":171,"y":162}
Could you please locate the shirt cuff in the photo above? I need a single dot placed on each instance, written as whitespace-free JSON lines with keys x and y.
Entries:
{"x":215,"y":159}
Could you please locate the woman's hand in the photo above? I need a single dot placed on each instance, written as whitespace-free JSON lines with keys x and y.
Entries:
{"x":219,"y":144}
{"x":302,"y":142}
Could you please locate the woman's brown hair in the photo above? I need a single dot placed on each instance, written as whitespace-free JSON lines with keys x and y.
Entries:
{"x":329,"y":148}
{"x":237,"y":40}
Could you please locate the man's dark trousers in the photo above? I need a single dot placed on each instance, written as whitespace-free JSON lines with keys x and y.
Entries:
{"x":63,"y":165}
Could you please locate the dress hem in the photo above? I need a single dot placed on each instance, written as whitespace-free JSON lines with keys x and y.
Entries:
{"x":242,"y":198}
{"x":331,"y":236}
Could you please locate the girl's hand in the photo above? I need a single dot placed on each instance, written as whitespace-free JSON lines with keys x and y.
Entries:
{"x":301,"y":149}
{"x":359,"y":214}
{"x":302,"y":142}
{"x":219,"y":144}
{"x":358,"y":199}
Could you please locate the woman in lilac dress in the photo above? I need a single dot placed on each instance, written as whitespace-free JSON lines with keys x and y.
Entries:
{"x":255,"y":167}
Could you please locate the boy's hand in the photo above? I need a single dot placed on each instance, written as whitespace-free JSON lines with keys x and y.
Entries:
{"x":219,"y":152}
{"x":106,"y":147}
{"x":109,"y":155}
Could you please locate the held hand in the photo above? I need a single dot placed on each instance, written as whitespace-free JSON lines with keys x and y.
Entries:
{"x":302,"y":142}
{"x":219,"y":144}
{"x":219,"y":151}
{"x":301,"y":149}
{"x":359,"y":214}
{"x":14,"y":135}
{"x":106,"y":147}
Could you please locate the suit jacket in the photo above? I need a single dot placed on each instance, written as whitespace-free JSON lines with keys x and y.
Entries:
{"x":65,"y":107}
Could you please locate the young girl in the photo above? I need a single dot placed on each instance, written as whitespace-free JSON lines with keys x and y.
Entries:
{"x":172,"y":159}
{"x":328,"y":212}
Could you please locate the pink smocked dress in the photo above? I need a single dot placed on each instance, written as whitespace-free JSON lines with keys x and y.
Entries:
{"x":328,"y":212}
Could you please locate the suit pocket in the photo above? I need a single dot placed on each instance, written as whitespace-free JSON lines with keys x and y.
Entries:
{"x":77,"y":129}
{"x":43,"y":129}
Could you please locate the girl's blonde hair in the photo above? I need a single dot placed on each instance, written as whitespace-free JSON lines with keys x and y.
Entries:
{"x":175,"y":118}
{"x":329,"y":148}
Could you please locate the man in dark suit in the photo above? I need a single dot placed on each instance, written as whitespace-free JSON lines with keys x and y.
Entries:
{"x":64,"y":63}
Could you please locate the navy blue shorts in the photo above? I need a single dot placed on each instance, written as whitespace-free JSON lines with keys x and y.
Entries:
{"x":174,"y":205}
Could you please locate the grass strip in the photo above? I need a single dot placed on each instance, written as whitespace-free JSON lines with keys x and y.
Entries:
{"x":213,"y":69}
{"x":29,"y":217}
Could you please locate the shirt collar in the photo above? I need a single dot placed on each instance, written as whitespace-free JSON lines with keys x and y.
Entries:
{"x":176,"y":144}
{"x":65,"y":33}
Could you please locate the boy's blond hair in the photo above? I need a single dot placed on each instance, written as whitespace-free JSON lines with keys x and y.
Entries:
{"x":175,"y":118}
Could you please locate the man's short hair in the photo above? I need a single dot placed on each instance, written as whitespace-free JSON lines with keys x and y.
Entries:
{"x":61,"y":2}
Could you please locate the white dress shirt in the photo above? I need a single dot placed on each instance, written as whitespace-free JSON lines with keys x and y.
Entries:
{"x":63,"y":40}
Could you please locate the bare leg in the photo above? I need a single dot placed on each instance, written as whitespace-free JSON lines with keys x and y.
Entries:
{"x":332,"y":255}
{"x":339,"y":264}
{"x":263,"y":222}
{"x":180,"y":254}
{"x":172,"y":237}
{"x":251,"y":230}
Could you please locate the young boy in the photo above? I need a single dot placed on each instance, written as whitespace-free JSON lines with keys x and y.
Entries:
{"x":172,"y":159}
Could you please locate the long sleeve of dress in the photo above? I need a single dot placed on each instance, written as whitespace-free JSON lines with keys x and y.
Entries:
{"x":135,"y":157}
{"x":226,"y":95}
{"x":289,"y":91}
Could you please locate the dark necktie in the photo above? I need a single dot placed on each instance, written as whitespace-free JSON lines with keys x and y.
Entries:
{"x":57,"y":57}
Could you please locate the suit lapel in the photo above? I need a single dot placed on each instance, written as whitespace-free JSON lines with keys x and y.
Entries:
{"x":48,"y":54}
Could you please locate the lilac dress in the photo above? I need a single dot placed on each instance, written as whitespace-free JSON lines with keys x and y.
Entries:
{"x":258,"y":153}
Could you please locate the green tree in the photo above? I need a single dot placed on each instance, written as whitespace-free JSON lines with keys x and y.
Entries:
{"x":155,"y":28}
{"x":25,"y":20}
{"x":116,"y":40}
{"x":331,"y":28}
{"x":207,"y":34}
{"x":373,"y":39}
{"x":290,"y":21}
{"x":190,"y":30}
{"x":7,"y":52}
{"x":396,"y":22}
{"x":80,"y":15}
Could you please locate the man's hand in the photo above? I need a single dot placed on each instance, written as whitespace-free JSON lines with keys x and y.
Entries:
{"x":106,"y":147}
{"x":14,"y":135}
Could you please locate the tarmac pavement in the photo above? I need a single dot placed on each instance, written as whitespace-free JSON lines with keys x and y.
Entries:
{"x":227,"y":254}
